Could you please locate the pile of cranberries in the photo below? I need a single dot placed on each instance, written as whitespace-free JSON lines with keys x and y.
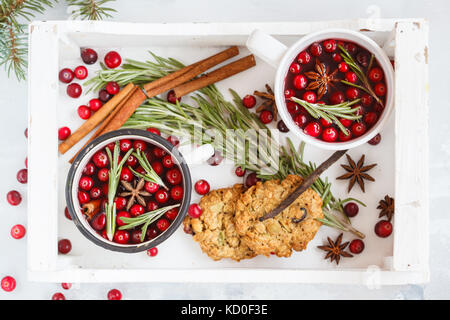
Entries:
{"x":304,"y":71}
{"x":93,"y":185}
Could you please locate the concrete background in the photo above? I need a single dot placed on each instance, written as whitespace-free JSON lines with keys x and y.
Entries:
{"x":13,"y":102}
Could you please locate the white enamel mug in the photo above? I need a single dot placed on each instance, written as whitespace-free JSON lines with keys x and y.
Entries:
{"x":279,"y":56}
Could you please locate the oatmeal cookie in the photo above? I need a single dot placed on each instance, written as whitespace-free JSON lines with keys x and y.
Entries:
{"x":280,"y":234}
{"x":214,"y":230}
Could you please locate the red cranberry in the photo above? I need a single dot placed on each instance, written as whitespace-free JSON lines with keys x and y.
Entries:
{"x":336,"y":57}
{"x":352,"y":93}
{"x":80,"y":72}
{"x":152,"y":206}
{"x":351,"y":77}
{"x":74,"y":90}
{"x":139,"y":145}
{"x":343,"y":67}
{"x":303,"y":57}
{"x":337,"y":97}
{"x":66,"y":75}
{"x":350,"y":47}
{"x":157,"y":166}
{"x":161,"y":196}
{"x":299,"y":82}
{"x":288,"y":93}
{"x":114,"y":294}
{"x":154,"y":131}
{"x":67,"y":214}
{"x":173,"y":140}
{"x":167,"y":161}
{"x":172,"y":98}
{"x":251,"y":179}
{"x":120,"y":203}
{"x":356,"y":246}
{"x":174,"y":176}
{"x":282,"y":126}
{"x":162,"y":224}
{"x":8,"y":283}
{"x":104,"y":95}
{"x":151,"y":187}
{"x":380,"y":89}
{"x":131,"y":161}
{"x":103,"y":174}
{"x":375,"y":140}
{"x":194,"y":211}
{"x":363,"y":59}
{"x":14,"y":198}
{"x":136,"y":210}
{"x":95,"y":193}
{"x":300,"y":120}
{"x":292,"y":107}
{"x":309,"y":96}
{"x":89,"y":56}
{"x":158,"y":152}
{"x":125,"y":145}
{"x":63,"y":133}
{"x":100,"y":159}
{"x":329,"y":134}
{"x":329,"y":45}
{"x":366,"y":99}
{"x":95,"y":104}
{"x":201,"y":187}
{"x":83,"y":197}
{"x":351,"y":209}
{"x":383,"y":229}
{"x":112,"y":59}
{"x":89,"y":169}
{"x":345,"y":122}
{"x":22,"y":176}
{"x":121,"y":237}
{"x":370,"y":118}
{"x":294,"y":68}
{"x":266,"y":116}
{"x":152,"y":233}
{"x":324,"y":123}
{"x":376,"y":74}
{"x":316,"y":49}
{"x":18,"y":231}
{"x":64,"y":246}
{"x":313,"y":129}
{"x":84,"y":112}
{"x":120,"y":215}
{"x":239,"y":171}
{"x":86,"y":183}
{"x":152,"y":252}
{"x":126,"y":174}
{"x":99,"y":222}
{"x":66,"y":286}
{"x":136,"y":236}
{"x":345,"y":136}
{"x":249,"y":101}
{"x":105,"y":188}
{"x":378,"y":108}
{"x":171,"y":214}
{"x":112,"y":87}
{"x":215,"y":159}
{"x":358,"y":129}
{"x":58,"y":296}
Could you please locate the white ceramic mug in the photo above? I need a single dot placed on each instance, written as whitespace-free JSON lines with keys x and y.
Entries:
{"x":279,"y":56}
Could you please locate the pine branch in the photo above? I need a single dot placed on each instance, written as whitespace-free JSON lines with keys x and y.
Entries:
{"x":90,"y":9}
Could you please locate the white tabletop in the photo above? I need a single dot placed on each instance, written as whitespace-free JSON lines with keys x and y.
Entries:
{"x":13,"y":101}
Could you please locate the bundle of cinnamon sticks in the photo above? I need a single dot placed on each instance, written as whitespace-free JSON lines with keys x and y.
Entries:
{"x":117,"y":110}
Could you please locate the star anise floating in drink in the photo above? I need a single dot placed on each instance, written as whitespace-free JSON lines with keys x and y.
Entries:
{"x":269,"y":101}
{"x":322,"y":79}
{"x":335,"y":249}
{"x":387,"y":207}
{"x":134,"y":192}
{"x":356,"y":172}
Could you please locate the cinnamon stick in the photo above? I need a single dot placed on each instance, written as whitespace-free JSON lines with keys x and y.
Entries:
{"x":215,"y":76}
{"x":305,"y":185}
{"x":106,"y":121}
{"x":187,"y":73}
{"x":96,"y":118}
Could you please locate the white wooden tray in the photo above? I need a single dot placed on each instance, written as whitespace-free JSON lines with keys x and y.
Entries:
{"x":402,"y":158}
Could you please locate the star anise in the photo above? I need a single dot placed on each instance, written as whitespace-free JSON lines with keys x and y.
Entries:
{"x":322,"y":79}
{"x":135,"y":192}
{"x":356,"y":172}
{"x":336,"y":249}
{"x":387,"y":207}
{"x":269,"y":101}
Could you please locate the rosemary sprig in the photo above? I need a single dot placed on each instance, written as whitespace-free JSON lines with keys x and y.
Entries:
{"x":331,"y":112}
{"x":348,"y":59}
{"x":145,"y":219}
{"x":113,"y":183}
{"x":150,"y":174}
